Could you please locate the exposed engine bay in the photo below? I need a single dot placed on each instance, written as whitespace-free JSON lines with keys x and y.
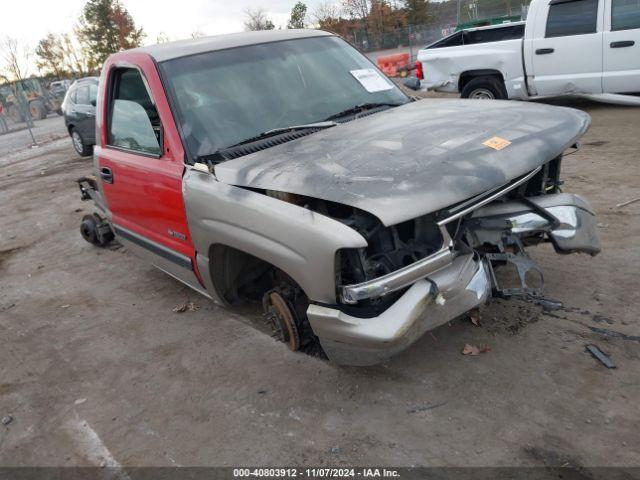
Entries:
{"x":487,"y":232}
{"x":484,"y":233}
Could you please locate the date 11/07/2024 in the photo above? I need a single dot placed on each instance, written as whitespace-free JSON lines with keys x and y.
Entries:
{"x":315,"y":473}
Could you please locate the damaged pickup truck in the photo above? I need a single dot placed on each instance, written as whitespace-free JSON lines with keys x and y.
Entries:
{"x":283,"y":167}
{"x":565,"y":47}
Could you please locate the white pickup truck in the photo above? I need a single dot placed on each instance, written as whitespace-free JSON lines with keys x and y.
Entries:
{"x":564,"y":47}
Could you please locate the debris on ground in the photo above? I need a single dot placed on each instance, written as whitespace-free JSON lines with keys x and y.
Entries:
{"x":6,"y":420}
{"x":65,"y":306}
{"x":80,"y":401}
{"x":4,"y":308}
{"x":474,"y":350}
{"x":601,"y":319}
{"x":186,"y":307}
{"x":474,"y":316}
{"x":263,"y":391}
{"x":334,"y":450}
{"x":424,"y":408}
{"x":613,"y":333}
{"x":600,"y":356}
{"x":624,"y":204}
{"x":548,"y":304}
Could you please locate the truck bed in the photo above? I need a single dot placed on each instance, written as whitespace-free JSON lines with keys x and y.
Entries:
{"x":486,"y":50}
{"x":494,"y":33}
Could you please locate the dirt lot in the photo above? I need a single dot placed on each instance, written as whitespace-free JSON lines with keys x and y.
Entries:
{"x":95,"y":368}
{"x":44,"y":131}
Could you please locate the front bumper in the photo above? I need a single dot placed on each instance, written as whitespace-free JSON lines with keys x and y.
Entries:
{"x":448,"y":293}
{"x":451,"y":290}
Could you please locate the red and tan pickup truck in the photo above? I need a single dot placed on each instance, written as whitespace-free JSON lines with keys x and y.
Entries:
{"x":284,"y":168}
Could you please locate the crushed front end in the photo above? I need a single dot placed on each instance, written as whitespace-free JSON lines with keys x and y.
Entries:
{"x":415,"y":276}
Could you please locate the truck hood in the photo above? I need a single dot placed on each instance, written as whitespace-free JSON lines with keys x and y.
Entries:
{"x":414,"y":159}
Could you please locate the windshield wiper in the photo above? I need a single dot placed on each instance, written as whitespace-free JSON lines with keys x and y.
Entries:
{"x":291,"y":128}
{"x":360,"y":108}
{"x":218,"y":154}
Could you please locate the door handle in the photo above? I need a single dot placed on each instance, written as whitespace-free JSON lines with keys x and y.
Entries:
{"x":622,"y":44}
{"x":544,"y":51}
{"x":106,"y":174}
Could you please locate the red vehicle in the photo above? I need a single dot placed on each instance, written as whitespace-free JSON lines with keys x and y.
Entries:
{"x":285,"y":168}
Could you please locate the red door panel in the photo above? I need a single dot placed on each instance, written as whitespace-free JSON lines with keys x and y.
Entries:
{"x":146,"y":194}
{"x":146,"y":197}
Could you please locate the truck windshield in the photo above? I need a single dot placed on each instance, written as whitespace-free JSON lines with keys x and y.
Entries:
{"x":224,"y":97}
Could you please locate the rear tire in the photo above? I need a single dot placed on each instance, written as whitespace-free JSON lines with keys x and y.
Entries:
{"x":95,"y":230}
{"x":484,"y":88}
{"x":89,"y":229}
{"x":79,"y":144}
{"x":38,"y":110}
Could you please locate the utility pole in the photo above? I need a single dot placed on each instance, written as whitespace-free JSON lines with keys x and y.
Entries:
{"x":458,"y":14}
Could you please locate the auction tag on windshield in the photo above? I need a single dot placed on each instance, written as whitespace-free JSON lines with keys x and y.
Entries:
{"x":371,"y":80}
{"x":497,"y":143}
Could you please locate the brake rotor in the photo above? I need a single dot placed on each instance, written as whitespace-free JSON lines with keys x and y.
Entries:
{"x":282,"y":319}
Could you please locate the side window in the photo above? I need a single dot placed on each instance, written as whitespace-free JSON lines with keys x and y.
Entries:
{"x":134,"y":121}
{"x":573,"y":17}
{"x":625,"y":14}
{"x":93,"y":94}
{"x":82,"y":95}
{"x":72,"y":94}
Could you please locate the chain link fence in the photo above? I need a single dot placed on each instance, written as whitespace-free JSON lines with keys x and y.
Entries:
{"x":445,"y":19}
{"x":24,"y":103}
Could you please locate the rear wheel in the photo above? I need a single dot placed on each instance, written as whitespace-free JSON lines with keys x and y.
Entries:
{"x":79,"y":144}
{"x":95,"y":230}
{"x":484,"y":88}
{"x":38,"y":110}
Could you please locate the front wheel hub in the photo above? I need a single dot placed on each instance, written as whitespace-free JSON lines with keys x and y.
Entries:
{"x":282,"y":320}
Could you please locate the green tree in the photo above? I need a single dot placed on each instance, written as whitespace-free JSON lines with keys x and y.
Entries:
{"x":298,"y":16}
{"x":106,"y":27}
{"x":417,"y":11}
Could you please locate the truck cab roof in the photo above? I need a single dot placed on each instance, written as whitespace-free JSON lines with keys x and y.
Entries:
{"x":182,"y":48}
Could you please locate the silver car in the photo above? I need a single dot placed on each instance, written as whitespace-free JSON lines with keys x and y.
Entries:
{"x":283,"y":167}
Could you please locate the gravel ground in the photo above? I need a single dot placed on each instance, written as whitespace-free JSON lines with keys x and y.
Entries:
{"x":44,"y":131}
{"x":95,"y":368}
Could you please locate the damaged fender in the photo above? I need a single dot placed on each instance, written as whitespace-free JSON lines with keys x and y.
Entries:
{"x":567,"y":219}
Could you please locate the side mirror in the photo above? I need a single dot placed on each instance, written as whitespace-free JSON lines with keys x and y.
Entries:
{"x":93,"y":102}
{"x":413,"y":83}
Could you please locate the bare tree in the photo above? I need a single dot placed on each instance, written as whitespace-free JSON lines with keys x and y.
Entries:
{"x":326,"y":13}
{"x":197,"y":34}
{"x":162,"y":38}
{"x":16,"y":58}
{"x":357,"y":9}
{"x":256,"y":19}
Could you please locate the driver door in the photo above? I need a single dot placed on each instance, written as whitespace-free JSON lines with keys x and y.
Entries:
{"x":140,"y":170}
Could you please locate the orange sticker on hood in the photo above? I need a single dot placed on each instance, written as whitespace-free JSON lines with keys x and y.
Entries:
{"x":497,"y":143}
